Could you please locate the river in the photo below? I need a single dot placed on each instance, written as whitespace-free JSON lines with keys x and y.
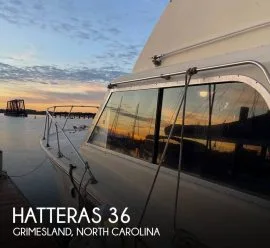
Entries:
{"x":24,"y":160}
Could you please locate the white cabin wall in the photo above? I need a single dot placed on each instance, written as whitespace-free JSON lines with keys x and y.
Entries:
{"x":185,"y":23}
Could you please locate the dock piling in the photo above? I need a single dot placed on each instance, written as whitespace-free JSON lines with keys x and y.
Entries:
{"x":1,"y":162}
{"x":3,"y":174}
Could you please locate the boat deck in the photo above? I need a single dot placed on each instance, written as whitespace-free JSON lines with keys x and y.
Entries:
{"x":68,"y":155}
{"x":11,"y":197}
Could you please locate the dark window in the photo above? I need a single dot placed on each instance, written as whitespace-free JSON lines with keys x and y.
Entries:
{"x":226,"y":135}
{"x":127,"y":123}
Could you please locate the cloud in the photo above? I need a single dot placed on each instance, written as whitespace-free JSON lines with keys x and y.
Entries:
{"x":16,"y":2}
{"x":120,"y":55}
{"x":26,"y":56}
{"x":38,"y":6}
{"x":81,"y":92}
{"x":114,"y":31}
{"x":117,"y":44}
{"x":43,"y":86}
{"x":49,"y":72}
{"x":63,"y":92}
{"x":36,"y":13}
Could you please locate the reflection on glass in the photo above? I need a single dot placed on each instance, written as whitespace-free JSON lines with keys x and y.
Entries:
{"x":226,"y":134}
{"x":127,"y":123}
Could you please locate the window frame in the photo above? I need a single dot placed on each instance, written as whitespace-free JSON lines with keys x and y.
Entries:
{"x":211,"y":185}
{"x":94,"y":124}
{"x":164,"y":85}
{"x":200,"y":81}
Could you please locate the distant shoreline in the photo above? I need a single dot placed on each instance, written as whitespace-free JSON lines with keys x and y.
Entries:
{"x":64,"y":114}
{"x":29,"y":112}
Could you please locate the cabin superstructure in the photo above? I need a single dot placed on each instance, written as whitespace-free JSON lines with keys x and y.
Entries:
{"x":205,"y":34}
{"x":16,"y":108}
{"x":194,"y":31}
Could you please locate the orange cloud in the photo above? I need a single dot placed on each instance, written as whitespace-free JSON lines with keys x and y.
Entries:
{"x":40,"y":95}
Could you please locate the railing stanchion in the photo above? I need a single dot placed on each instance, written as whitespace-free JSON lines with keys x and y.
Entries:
{"x":52,"y":118}
{"x":58,"y":143}
{"x":67,"y":117}
{"x":45,"y":128}
{"x":48,"y":130}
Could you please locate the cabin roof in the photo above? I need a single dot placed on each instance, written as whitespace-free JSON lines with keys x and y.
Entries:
{"x":207,"y":33}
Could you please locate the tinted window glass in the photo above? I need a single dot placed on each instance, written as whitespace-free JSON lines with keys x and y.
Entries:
{"x":127,"y":123}
{"x":226,"y":134}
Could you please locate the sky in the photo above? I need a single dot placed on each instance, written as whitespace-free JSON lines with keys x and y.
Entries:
{"x":66,"y":51}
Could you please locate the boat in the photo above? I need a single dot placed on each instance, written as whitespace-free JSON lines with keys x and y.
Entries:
{"x":183,"y":140}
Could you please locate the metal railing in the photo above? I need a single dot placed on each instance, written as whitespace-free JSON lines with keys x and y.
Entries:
{"x":257,"y":64}
{"x":50,"y":112}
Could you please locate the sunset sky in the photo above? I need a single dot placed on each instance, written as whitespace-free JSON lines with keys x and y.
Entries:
{"x":66,"y":51}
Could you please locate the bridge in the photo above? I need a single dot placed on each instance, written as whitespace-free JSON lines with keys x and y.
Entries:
{"x":16,"y":108}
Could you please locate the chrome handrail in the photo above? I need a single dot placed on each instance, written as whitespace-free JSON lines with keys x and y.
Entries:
{"x":202,"y":69}
{"x":47,"y":131}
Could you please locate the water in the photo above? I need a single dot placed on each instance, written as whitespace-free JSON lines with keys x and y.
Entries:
{"x":19,"y":141}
